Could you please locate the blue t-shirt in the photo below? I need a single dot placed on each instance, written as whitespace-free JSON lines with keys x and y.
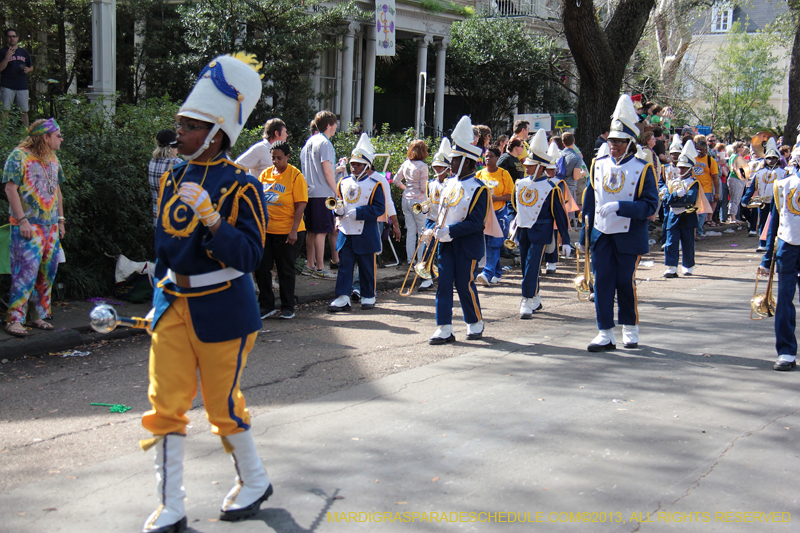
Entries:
{"x":12,"y":76}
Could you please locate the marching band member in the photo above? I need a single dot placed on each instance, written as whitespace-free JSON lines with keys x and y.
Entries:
{"x":568,"y":202}
{"x":210,"y":235}
{"x":461,"y":238}
{"x":683,"y":192}
{"x":619,"y":198}
{"x":441,"y":170}
{"x":785,"y":225}
{"x":766,"y":174}
{"x":363,"y":202}
{"x":500,"y":186}
{"x":538,"y":203}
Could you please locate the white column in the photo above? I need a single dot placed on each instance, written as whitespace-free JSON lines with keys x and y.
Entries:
{"x":104,"y":52}
{"x":346,"y":113}
{"x":438,"y":103}
{"x":139,"y":30}
{"x":368,"y":102}
{"x":422,"y":66}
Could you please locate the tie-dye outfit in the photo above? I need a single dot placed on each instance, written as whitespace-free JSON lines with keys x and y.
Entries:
{"x":33,"y":261}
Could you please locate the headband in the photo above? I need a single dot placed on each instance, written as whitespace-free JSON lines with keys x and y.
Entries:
{"x":48,"y":126}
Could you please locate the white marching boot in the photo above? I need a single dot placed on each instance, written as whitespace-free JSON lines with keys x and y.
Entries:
{"x":252,"y":483}
{"x":630,"y":336}
{"x":604,"y":341}
{"x":170,"y":517}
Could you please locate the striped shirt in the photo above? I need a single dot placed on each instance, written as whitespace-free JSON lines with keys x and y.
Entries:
{"x":155,"y":170}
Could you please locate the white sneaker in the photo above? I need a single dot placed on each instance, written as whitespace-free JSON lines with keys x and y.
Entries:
{"x":442,"y":335}
{"x":671,"y":272}
{"x":528,"y":306}
{"x":630,"y":336}
{"x":475,"y":331}
{"x":341,"y":303}
{"x":603,"y":342}
{"x":427,"y":284}
{"x":752,"y":234}
{"x":761,"y":249}
{"x":368,"y":303}
{"x":551,"y":268}
{"x":495,"y":280}
{"x":482,"y":280}
{"x":686,"y":271}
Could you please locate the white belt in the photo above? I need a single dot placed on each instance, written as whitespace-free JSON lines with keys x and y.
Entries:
{"x":203,"y":280}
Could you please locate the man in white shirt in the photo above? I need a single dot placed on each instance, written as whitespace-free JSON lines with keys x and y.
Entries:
{"x":258,"y":157}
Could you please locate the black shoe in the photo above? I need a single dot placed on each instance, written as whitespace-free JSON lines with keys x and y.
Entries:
{"x":474,"y":336}
{"x":435,"y":341}
{"x":334,"y":309}
{"x":355,"y":296}
{"x":177,"y":527}
{"x":286,"y":314}
{"x":630,"y":345}
{"x":784,"y":366}
{"x":671,"y":275}
{"x":367,"y":307}
{"x":246,"y":512}
{"x":602,"y":347}
{"x":334,"y":266}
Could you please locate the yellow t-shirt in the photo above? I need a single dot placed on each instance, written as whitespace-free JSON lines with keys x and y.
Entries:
{"x":282,"y":192}
{"x":500,"y":181}
{"x":702,"y":172}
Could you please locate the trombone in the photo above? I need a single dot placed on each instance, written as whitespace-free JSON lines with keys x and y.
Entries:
{"x":511,"y":242}
{"x":583,"y":282}
{"x":763,"y":305}
{"x":425,"y":268}
{"x":757,"y":202}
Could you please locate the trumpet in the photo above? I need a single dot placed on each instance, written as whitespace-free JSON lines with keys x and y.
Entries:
{"x":763,"y":305}
{"x":757,"y":202}
{"x":104,"y":319}
{"x":422,"y":207}
{"x":333,"y":203}
{"x":583,"y":282}
{"x":511,"y":242}
{"x":425,"y":268}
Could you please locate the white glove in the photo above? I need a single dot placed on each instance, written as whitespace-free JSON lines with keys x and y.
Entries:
{"x":566,"y":249}
{"x":581,"y":248}
{"x":350,"y":214}
{"x":681,"y":192}
{"x":339,"y":211}
{"x":763,"y":271}
{"x":608,"y":208}
{"x":197,"y":198}
{"x":442,"y":233}
{"x":428,"y":232}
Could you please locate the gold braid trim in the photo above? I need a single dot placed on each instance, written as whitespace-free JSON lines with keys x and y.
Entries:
{"x":146,"y":444}
{"x":226,"y":445}
{"x":260,"y":220}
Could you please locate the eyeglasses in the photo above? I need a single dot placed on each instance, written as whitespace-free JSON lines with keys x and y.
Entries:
{"x":190,"y":127}
{"x":618,"y":141}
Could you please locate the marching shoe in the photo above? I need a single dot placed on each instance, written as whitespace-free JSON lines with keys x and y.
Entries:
{"x":784,"y":364}
{"x":551,"y":268}
{"x":355,"y":296}
{"x":170,"y":517}
{"x":525,"y":309}
{"x":475,"y":331}
{"x":480,"y":279}
{"x":671,"y":272}
{"x":442,"y":335}
{"x":761,"y":249}
{"x":425,"y":285}
{"x":630,"y":336}
{"x":368,"y":303}
{"x":604,"y":341}
{"x":686,"y":271}
{"x":252,"y":483}
{"x":495,"y":280}
{"x":341,"y":303}
{"x":752,"y":234}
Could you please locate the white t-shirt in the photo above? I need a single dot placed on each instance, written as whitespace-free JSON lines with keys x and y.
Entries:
{"x":257,"y":158}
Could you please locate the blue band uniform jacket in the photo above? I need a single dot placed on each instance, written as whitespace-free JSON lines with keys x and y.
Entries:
{"x":678,"y":216}
{"x":468,"y":199}
{"x":222,"y":311}
{"x":367,"y":198}
{"x":539,"y":204}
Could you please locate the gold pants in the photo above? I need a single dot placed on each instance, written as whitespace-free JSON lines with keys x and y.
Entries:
{"x":176,"y":354}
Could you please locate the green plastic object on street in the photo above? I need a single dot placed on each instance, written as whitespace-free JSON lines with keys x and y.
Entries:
{"x":114,"y":407}
{"x":5,"y":249}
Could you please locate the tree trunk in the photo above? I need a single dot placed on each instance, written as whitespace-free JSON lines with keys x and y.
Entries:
{"x":793,"y":115}
{"x":600,"y":56}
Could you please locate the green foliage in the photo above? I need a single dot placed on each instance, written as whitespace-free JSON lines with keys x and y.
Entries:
{"x":744,"y":79}
{"x":496,"y":64}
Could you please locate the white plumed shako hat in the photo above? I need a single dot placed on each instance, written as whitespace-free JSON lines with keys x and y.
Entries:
{"x":364,"y":152}
{"x":537,"y":153}
{"x":624,"y":119}
{"x":225,"y":94}
{"x":772,"y":149}
{"x":442,"y":157}
{"x":688,"y":155}
{"x":676,"y":146}
{"x":462,"y":140}
{"x":553,"y":153}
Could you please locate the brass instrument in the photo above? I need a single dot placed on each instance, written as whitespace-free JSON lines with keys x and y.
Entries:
{"x":333,"y":203}
{"x":422,"y":207}
{"x":757,"y":202}
{"x":425,"y":268}
{"x":511,"y":242}
{"x":759,"y":142}
{"x":583,"y":282}
{"x":104,"y":319}
{"x":763,"y":305}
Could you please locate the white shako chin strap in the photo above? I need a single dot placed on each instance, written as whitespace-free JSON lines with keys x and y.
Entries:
{"x":209,"y":138}
{"x":626,"y":154}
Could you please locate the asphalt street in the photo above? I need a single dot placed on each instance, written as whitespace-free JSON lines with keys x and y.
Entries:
{"x":358,"y":419}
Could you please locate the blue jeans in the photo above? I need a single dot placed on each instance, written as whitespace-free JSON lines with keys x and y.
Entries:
{"x":722,"y":205}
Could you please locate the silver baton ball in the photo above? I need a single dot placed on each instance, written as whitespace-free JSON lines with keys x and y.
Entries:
{"x":104,"y":319}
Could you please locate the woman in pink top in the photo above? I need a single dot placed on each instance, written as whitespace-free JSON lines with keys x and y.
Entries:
{"x":412,"y":179}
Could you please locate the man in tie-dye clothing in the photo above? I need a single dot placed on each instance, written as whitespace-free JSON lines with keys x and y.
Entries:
{"x":32,"y":175}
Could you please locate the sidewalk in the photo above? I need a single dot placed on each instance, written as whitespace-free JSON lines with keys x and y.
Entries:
{"x":71,"y":318}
